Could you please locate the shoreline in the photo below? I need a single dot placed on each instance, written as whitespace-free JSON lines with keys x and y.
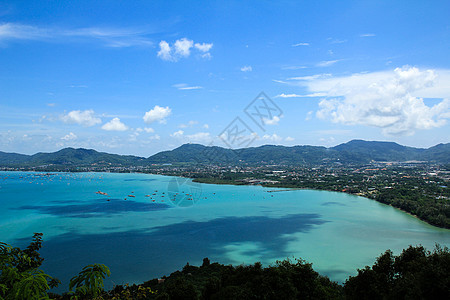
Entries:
{"x":199,"y":180}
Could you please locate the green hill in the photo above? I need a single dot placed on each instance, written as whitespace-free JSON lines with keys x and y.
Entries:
{"x":353,"y":152}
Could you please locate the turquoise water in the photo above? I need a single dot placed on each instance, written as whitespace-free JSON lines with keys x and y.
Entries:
{"x":171,"y":221}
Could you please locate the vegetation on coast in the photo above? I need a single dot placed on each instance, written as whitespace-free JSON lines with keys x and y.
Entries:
{"x":419,"y":190}
{"x":414,"y":274}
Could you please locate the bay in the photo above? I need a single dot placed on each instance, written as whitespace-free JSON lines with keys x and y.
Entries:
{"x":149,"y":225}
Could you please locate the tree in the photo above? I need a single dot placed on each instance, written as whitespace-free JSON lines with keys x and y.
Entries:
{"x":88,"y":283}
{"x":414,"y":274}
{"x":20,"y":277}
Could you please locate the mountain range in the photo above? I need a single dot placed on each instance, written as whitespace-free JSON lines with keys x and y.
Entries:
{"x":354,"y":152}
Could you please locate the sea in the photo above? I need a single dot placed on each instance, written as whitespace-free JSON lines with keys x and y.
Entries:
{"x":146,"y":226}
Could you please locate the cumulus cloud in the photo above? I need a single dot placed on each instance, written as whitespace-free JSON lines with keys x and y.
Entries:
{"x":115,"y":125}
{"x":273,"y":121}
{"x":390,"y":100}
{"x":289,"y":139}
{"x":181,"y":49}
{"x":158,"y":113}
{"x":69,"y":137}
{"x":177,"y":134}
{"x":85,"y":118}
{"x":272,"y":138}
{"x":204,"y":47}
{"x":164,"y":51}
{"x":246,"y":69}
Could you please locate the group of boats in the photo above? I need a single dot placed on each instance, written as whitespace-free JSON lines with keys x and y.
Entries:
{"x":154,"y":195}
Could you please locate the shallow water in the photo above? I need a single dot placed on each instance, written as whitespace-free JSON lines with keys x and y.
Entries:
{"x":179,"y":221}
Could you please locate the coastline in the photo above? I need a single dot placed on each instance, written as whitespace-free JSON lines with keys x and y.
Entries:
{"x":313,"y":189}
{"x":234,"y":183}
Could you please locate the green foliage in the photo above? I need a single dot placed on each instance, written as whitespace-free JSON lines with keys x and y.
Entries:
{"x":130,"y":292}
{"x":89,"y":282}
{"x":284,"y":280}
{"x":414,"y":274}
{"x":20,"y":277}
{"x":428,"y":208}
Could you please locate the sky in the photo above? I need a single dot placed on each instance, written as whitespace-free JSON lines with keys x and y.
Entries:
{"x":139,"y":77}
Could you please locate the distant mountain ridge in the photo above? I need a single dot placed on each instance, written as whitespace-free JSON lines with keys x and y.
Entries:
{"x":355,"y":151}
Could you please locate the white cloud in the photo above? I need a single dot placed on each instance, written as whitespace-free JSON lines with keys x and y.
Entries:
{"x":206,"y":56}
{"x":289,"y":139}
{"x":177,"y":134}
{"x":367,"y":35}
{"x":155,"y":137}
{"x":309,"y":115}
{"x":273,"y":121}
{"x":300,"y":44}
{"x":206,"y":126}
{"x":149,"y":130}
{"x":164,"y":51}
{"x":158,"y":113}
{"x":300,"y":96}
{"x":280,"y":81}
{"x":69,"y":137}
{"x":327,"y":63}
{"x":311,"y":77}
{"x":115,"y":125}
{"x":390,"y":100}
{"x":272,"y":138}
{"x":204,"y":47}
{"x":181,"y":49}
{"x":85,"y":118}
{"x":111,"y":37}
{"x":184,"y":86}
{"x":246,"y":69}
{"x":21,"y":32}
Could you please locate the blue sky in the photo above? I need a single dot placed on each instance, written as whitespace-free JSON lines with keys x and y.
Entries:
{"x":145,"y":76}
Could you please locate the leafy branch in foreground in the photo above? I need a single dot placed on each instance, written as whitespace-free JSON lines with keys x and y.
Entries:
{"x":89,"y":282}
{"x":20,"y":277}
